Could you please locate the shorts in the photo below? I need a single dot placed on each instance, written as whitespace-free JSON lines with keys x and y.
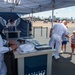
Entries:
{"x":64,"y":42}
{"x":72,"y":45}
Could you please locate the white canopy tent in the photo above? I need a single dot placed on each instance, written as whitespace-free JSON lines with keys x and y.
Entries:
{"x":33,"y":6}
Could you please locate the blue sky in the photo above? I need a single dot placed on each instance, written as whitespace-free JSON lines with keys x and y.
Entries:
{"x":63,"y":13}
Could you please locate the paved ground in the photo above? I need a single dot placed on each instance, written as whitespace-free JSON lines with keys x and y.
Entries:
{"x":66,"y":64}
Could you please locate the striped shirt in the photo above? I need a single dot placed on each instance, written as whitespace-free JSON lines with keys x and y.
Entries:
{"x":73,"y":39}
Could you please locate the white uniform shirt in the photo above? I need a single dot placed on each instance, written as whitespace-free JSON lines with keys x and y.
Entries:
{"x":11,"y":26}
{"x":59,"y":29}
{"x":2,"y":48}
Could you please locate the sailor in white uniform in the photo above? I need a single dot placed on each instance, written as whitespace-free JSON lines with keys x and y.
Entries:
{"x":3,"y":69}
{"x":56,"y":33}
{"x":11,"y":26}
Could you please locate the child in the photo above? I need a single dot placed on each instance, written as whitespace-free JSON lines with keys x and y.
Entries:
{"x":64,"y":42}
{"x":73,"y":42}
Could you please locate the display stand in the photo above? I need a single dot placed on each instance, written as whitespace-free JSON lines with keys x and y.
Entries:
{"x":35,"y":62}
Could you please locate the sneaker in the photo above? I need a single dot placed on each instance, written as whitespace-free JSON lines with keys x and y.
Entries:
{"x":56,"y":57}
{"x":61,"y":51}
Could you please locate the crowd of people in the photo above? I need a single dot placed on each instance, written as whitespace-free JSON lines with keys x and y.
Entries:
{"x":59,"y":36}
